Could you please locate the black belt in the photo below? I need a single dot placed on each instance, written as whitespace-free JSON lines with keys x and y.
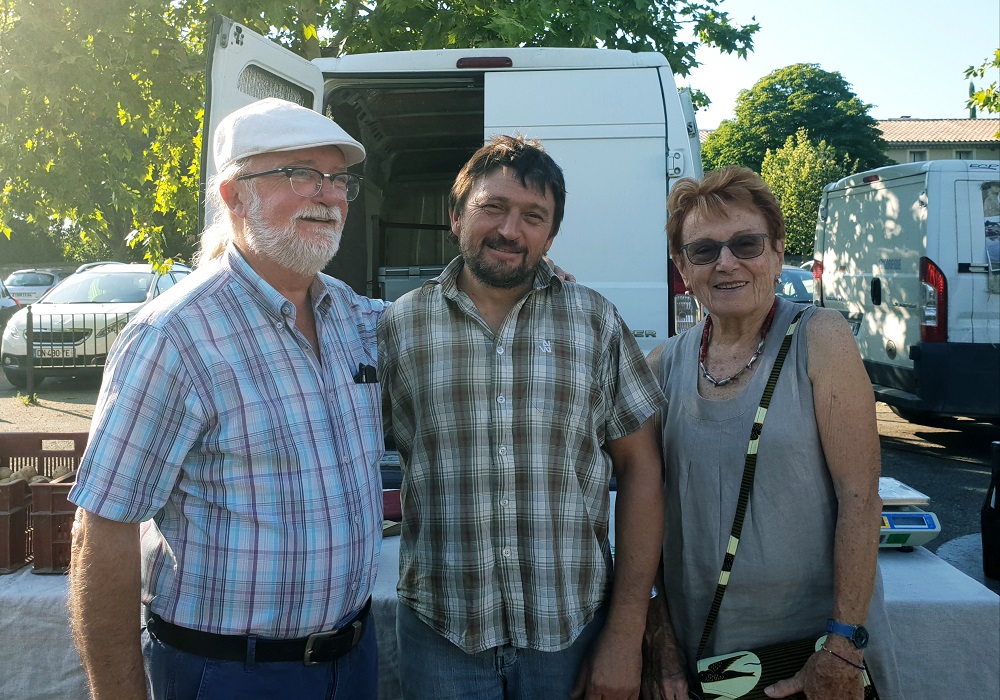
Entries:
{"x":322,"y":647}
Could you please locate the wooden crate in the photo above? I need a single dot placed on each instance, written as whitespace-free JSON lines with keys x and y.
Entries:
{"x":46,"y":452}
{"x":15,"y":526}
{"x":52,"y":524}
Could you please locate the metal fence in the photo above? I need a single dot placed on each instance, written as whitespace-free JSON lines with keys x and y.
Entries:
{"x":60,"y":343}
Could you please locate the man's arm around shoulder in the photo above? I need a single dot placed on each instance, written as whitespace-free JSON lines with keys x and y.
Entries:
{"x":104,"y":582}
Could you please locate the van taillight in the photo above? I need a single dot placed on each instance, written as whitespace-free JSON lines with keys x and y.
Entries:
{"x":817,"y":271}
{"x":685,"y":311}
{"x":934,"y":290}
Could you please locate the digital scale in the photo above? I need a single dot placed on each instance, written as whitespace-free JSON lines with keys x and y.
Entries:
{"x":904,"y":522}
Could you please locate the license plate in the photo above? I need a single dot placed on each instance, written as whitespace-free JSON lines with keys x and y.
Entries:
{"x":55,"y":352}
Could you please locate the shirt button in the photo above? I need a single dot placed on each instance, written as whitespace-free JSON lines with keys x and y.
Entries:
{"x":503,"y":502}
{"x":501,"y":399}
{"x":286,"y":308}
{"x":278,"y":326}
{"x":506,"y":551}
{"x":502,"y":450}
{"x":500,"y":350}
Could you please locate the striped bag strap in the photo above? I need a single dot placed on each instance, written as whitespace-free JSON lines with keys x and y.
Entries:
{"x":749,"y":468}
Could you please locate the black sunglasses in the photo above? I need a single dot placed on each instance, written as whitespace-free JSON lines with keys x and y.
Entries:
{"x":744,"y":246}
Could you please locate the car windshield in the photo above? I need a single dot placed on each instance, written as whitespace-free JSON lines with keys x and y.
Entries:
{"x":796,"y":285}
{"x":101,"y":288}
{"x":29,"y":279}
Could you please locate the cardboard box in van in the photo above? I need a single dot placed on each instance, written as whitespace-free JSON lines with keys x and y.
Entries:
{"x":613,"y":120}
{"x":910,"y":254}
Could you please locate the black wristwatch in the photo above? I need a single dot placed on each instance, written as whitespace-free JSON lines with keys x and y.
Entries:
{"x":855,"y":634}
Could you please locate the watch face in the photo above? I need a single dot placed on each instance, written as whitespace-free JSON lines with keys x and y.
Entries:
{"x":860,"y":637}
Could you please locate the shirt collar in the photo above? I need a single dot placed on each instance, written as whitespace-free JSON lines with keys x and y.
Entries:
{"x":263,"y":293}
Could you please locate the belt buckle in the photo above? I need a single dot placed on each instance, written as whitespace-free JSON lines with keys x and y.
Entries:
{"x":357,"y":626}
{"x":310,"y":641}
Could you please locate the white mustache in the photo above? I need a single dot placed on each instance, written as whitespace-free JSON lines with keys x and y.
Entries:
{"x":321,"y":213}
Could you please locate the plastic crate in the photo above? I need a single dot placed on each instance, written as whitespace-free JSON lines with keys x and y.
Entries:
{"x":52,"y":524}
{"x":15,"y":526}
{"x":46,"y":452}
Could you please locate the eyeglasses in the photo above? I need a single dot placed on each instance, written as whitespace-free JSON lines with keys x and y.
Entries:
{"x":307,"y":182}
{"x":744,"y":246}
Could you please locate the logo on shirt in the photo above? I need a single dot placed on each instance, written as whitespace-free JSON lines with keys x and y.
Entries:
{"x":545,"y":346}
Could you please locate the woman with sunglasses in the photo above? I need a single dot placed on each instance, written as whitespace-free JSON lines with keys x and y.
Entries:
{"x":807,"y":558}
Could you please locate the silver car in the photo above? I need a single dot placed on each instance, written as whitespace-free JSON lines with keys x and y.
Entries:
{"x":28,"y":286}
{"x":74,"y":325}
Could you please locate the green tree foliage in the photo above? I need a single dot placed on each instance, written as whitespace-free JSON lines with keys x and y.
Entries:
{"x":100,"y":101}
{"x":800,"y":95}
{"x":396,"y":25}
{"x":99,"y":109}
{"x":796,"y":174}
{"x":986,"y":98}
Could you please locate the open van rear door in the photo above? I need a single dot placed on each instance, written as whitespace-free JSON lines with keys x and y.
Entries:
{"x":623,"y":122}
{"x":244,"y":67}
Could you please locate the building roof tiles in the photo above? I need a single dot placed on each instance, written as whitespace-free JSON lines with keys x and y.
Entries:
{"x":910,"y":131}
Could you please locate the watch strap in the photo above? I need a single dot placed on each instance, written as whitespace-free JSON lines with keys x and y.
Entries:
{"x":849,"y":632}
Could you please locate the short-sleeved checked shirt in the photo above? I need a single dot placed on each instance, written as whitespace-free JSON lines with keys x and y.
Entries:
{"x":505,"y":482}
{"x":257,"y":465}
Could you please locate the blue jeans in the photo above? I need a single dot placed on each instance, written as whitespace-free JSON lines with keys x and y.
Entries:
{"x":176,"y":675}
{"x":432,"y":668}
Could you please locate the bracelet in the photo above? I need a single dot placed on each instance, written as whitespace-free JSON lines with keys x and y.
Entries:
{"x":846,"y":661}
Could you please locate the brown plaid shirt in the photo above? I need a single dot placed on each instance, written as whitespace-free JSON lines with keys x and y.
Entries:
{"x":505,"y":483}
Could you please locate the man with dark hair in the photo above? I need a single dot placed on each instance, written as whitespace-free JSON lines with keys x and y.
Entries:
{"x":513,"y":398}
{"x":231,"y":425}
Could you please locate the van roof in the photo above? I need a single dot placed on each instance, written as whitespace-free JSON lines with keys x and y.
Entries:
{"x":521,"y":58}
{"x":892,"y":172}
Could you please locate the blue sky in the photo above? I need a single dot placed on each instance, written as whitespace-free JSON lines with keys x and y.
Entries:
{"x":905,"y":57}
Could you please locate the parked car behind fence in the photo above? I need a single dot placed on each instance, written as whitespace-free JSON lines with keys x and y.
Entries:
{"x":74,"y":325}
{"x":8,"y":305}
{"x":28,"y":286}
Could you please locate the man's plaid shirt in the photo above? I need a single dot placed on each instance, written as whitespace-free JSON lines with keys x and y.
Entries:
{"x":505,"y":482}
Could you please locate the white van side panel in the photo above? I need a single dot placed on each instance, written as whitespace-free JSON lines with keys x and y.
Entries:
{"x":871,"y":236}
{"x":612,"y":148}
{"x":875,"y":235}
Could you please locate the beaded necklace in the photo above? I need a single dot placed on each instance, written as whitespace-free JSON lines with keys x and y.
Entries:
{"x":706,"y":337}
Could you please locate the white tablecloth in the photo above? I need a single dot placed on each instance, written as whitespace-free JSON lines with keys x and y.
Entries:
{"x":946,"y":627}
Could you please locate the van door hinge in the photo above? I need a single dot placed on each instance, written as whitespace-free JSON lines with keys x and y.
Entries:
{"x":675,"y":166}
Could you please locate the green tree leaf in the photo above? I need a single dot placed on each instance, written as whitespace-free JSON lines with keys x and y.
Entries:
{"x":779,"y":104}
{"x":101,"y":102}
{"x":796,"y":174}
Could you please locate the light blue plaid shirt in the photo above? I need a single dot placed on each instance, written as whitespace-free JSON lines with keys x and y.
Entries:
{"x":257,"y":466}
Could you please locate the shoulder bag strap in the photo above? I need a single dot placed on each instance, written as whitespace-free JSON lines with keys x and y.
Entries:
{"x":749,"y":468}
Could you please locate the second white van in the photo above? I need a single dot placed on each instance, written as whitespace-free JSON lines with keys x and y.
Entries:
{"x":910,"y":254}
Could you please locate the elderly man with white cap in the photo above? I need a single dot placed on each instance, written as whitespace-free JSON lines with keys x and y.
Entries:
{"x":239,"y":423}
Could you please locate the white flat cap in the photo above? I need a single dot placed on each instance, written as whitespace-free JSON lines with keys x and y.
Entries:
{"x":271,"y":125}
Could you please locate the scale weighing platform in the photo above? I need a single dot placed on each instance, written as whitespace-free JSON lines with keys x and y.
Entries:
{"x":904,"y":522}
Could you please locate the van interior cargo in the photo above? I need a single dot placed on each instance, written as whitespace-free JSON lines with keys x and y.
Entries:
{"x":418,"y":133}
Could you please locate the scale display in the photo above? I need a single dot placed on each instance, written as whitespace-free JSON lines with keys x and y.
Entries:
{"x":907,"y":526}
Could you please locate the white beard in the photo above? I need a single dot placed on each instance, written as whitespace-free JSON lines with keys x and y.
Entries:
{"x":304,"y":256}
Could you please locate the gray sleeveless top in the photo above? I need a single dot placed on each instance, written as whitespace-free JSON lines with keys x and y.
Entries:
{"x":781,"y":587}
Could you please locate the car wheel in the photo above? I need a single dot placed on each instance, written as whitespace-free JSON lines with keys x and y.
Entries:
{"x":17,"y":378}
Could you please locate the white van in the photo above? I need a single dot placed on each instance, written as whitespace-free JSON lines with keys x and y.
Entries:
{"x":910,"y":254}
{"x":613,"y":120}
